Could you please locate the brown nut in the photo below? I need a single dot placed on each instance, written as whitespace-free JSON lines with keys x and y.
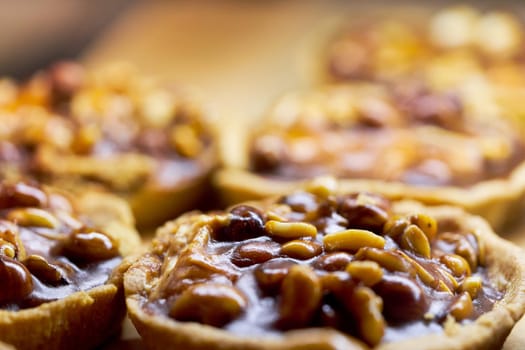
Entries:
{"x":333,"y":261}
{"x":368,"y":272}
{"x":395,"y":226}
{"x":301,"y":249}
{"x":301,"y":294}
{"x":244,"y":222}
{"x":89,"y":246}
{"x":22,"y":195}
{"x":403,"y":299}
{"x":270,"y":274}
{"x":43,"y":270}
{"x":254,"y":253}
{"x":365,"y":211}
{"x":16,"y":281}
{"x":209,"y":303}
{"x":352,"y":240}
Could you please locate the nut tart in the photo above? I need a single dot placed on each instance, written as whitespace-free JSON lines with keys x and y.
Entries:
{"x":61,"y":288}
{"x":110,"y":129}
{"x":454,"y":48}
{"x":314,"y":270}
{"x":405,"y":141}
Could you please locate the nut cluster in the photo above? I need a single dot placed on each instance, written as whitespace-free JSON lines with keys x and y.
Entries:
{"x":68,"y":113}
{"x":347,"y":262}
{"x":42,"y":242}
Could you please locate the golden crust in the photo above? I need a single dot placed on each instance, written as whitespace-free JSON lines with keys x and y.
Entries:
{"x":505,"y":264}
{"x":84,"y":319}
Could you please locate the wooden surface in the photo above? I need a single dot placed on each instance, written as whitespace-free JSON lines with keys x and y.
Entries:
{"x":241,"y":54}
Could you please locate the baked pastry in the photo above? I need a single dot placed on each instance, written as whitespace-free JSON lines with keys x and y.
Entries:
{"x":321,"y":271}
{"x":405,"y":141}
{"x":57,"y":257}
{"x":108,"y":129}
{"x":477,"y":54}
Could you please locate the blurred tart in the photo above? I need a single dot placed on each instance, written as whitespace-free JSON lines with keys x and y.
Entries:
{"x":316,"y":270}
{"x":478,"y":54}
{"x":109,"y":129}
{"x":405,"y":141}
{"x":60,"y":289}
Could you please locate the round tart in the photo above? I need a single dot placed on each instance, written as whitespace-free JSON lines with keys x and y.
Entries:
{"x":405,"y":141}
{"x":61,"y":288}
{"x":108,"y":129}
{"x":317,"y":270}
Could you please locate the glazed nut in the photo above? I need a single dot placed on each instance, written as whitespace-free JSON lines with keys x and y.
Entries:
{"x":322,"y":186}
{"x":290,"y":230}
{"x":368,"y":308}
{"x":390,"y":260}
{"x":42,"y":269}
{"x":471,"y":285}
{"x":333,"y":261}
{"x":209,"y":303}
{"x":456,"y":264}
{"x":462,"y":308}
{"x":368,"y":272}
{"x":254,"y":253}
{"x":414,"y":240}
{"x":352,"y":240}
{"x":466,"y":251}
{"x":185,"y":140}
{"x":28,"y":196}
{"x":90,"y":246}
{"x":33,"y":217}
{"x":269,"y":275}
{"x":426,"y":223}
{"x":7,"y":249}
{"x":16,"y":280}
{"x":300,"y":249}
{"x":301,"y":293}
{"x":395,"y":226}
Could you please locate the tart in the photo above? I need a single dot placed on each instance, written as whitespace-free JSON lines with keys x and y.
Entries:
{"x":318,"y":270}
{"x":109,"y":129}
{"x":61,"y":288}
{"x":477,"y":54}
{"x":405,"y":141}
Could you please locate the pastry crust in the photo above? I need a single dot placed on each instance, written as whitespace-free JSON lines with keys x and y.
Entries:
{"x":108,"y":129}
{"x":504,"y":263}
{"x":87,"y":318}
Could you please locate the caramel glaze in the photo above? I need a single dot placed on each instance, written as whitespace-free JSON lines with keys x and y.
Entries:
{"x":54,"y":253}
{"x":413,"y":135}
{"x":242,"y":254}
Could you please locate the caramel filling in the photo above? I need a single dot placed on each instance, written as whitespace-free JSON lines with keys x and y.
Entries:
{"x":46,"y":253}
{"x":347,"y":262}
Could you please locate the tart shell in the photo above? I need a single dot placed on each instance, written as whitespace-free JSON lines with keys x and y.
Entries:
{"x":85,"y":319}
{"x":506,"y":270}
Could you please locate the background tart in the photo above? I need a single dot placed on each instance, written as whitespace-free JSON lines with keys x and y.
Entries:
{"x":403,"y":140}
{"x":318,"y":270}
{"x":110,"y":129}
{"x":58,"y":266}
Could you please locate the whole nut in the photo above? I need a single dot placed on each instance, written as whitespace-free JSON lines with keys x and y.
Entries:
{"x":301,"y":249}
{"x":43,"y":270}
{"x":254,"y":253}
{"x":270,"y":274}
{"x":333,"y":261}
{"x":245,"y":222}
{"x":301,"y":293}
{"x":352,"y":240}
{"x":89,"y":246}
{"x":367,"y":308}
{"x":365,"y":211}
{"x":209,"y":303}
{"x":33,"y":217}
{"x":290,"y":230}
{"x":415,"y":240}
{"x":16,"y":281}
